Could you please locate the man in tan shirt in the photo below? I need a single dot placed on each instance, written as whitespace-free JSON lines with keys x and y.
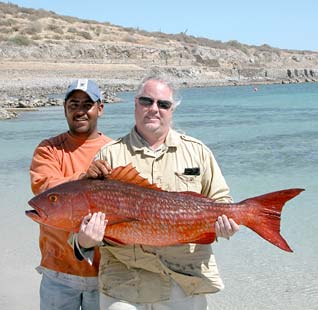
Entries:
{"x":144,"y":277}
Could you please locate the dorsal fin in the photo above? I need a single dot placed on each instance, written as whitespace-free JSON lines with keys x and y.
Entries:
{"x":129,"y":174}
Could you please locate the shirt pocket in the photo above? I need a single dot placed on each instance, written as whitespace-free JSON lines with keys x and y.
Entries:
{"x":188,"y":182}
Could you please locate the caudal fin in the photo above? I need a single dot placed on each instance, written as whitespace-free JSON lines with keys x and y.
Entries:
{"x":265,"y":215}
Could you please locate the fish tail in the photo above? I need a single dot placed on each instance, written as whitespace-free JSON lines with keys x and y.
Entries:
{"x":266,"y":215}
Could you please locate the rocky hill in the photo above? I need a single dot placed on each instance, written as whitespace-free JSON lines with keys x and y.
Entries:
{"x":40,"y":51}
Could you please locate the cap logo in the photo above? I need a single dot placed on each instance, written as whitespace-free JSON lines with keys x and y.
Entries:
{"x":82,"y":84}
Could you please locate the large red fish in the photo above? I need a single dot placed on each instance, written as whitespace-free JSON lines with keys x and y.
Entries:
{"x":141,"y":213}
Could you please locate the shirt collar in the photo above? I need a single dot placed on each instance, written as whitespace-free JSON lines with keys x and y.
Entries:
{"x":138,"y":143}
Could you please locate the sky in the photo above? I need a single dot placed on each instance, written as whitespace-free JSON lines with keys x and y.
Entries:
{"x":287,"y":24}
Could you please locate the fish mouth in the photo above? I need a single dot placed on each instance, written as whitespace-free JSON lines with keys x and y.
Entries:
{"x":37,"y":215}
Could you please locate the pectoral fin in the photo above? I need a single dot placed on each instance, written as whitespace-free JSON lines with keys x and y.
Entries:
{"x":206,"y":238}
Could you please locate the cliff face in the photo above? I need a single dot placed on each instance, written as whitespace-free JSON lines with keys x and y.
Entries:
{"x":42,"y":36}
{"x":180,"y":59}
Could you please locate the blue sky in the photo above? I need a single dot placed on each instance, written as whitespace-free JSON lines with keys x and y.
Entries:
{"x":286,"y":24}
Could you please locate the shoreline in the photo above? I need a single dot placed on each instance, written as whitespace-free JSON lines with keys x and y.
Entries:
{"x":28,"y":85}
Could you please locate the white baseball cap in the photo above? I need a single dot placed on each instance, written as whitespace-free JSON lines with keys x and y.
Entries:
{"x":87,"y":86}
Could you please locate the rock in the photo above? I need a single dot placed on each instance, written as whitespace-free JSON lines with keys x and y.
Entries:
{"x":5,"y":114}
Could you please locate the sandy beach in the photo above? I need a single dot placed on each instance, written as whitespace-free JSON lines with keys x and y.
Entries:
{"x":38,"y":79}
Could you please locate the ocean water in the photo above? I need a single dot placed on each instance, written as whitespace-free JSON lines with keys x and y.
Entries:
{"x":264,"y":140}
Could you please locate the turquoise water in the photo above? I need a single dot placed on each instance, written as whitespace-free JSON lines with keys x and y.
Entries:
{"x":264,"y":140}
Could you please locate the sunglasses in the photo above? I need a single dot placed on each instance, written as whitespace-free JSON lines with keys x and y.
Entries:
{"x":147,"y":102}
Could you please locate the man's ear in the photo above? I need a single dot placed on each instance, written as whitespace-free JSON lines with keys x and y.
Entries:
{"x":100,"y":109}
{"x":64,"y":105}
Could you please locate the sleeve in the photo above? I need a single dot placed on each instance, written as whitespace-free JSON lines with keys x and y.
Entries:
{"x":214,"y":185}
{"x":79,"y":252}
{"x":45,"y":170}
{"x":102,"y":154}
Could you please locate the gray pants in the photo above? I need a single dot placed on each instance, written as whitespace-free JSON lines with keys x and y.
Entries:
{"x":60,"y":291}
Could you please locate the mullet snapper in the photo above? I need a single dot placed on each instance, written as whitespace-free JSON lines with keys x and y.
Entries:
{"x":141,"y":213}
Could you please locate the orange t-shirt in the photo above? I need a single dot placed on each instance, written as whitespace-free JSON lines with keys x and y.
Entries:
{"x":57,"y":160}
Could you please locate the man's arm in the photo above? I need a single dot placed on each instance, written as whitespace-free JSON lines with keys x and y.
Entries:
{"x":215,"y":187}
{"x":45,"y":170}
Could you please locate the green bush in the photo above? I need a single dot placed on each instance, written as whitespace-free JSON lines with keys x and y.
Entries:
{"x":20,"y":40}
{"x":55,"y":28}
{"x":33,"y":28}
{"x":6,"y":30}
{"x":7,"y":22}
{"x":86,"y":35}
{"x":72,"y":30}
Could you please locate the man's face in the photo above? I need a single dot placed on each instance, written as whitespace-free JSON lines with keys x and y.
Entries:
{"x":82,"y":114}
{"x":153,"y":119}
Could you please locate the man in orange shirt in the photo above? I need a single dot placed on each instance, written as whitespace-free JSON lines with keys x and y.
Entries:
{"x":66,"y":282}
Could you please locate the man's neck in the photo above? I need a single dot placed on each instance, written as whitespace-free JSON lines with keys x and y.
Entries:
{"x":84,"y":136}
{"x":153,"y":140}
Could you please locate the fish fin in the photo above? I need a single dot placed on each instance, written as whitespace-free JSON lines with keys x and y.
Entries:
{"x":116,"y":219}
{"x":206,"y":238}
{"x":129,"y":174}
{"x":113,"y":240}
{"x":265,"y":220}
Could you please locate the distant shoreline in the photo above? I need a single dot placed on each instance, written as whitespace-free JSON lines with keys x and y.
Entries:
{"x":25,"y":86}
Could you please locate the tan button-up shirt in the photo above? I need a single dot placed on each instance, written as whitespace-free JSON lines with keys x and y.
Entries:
{"x":141,"y":273}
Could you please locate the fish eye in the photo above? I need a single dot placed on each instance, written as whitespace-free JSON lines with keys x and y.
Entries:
{"x":53,"y":198}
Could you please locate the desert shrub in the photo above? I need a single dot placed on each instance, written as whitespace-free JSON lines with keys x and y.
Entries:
{"x":156,"y":34}
{"x":16,"y":28}
{"x":68,"y":37}
{"x":26,"y":11}
{"x":6,"y":30}
{"x":182,"y":37}
{"x":56,"y":37}
{"x":7,"y":22}
{"x":20,"y":40}
{"x":55,"y":28}
{"x":9,"y":8}
{"x":23,"y":15}
{"x":129,"y":38}
{"x":33,"y":28}
{"x":86,"y":35}
{"x":72,"y":30}
{"x":38,"y":14}
{"x":265,"y":47}
{"x":89,"y":21}
{"x":97,"y":30}
{"x":69,"y":19}
{"x":106,"y":30}
{"x":211,"y":43}
{"x":237,"y":45}
{"x":36,"y":37}
{"x":130,"y":30}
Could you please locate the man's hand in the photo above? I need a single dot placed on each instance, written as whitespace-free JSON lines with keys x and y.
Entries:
{"x":225,"y":227}
{"x":97,"y":170}
{"x":92,"y":230}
